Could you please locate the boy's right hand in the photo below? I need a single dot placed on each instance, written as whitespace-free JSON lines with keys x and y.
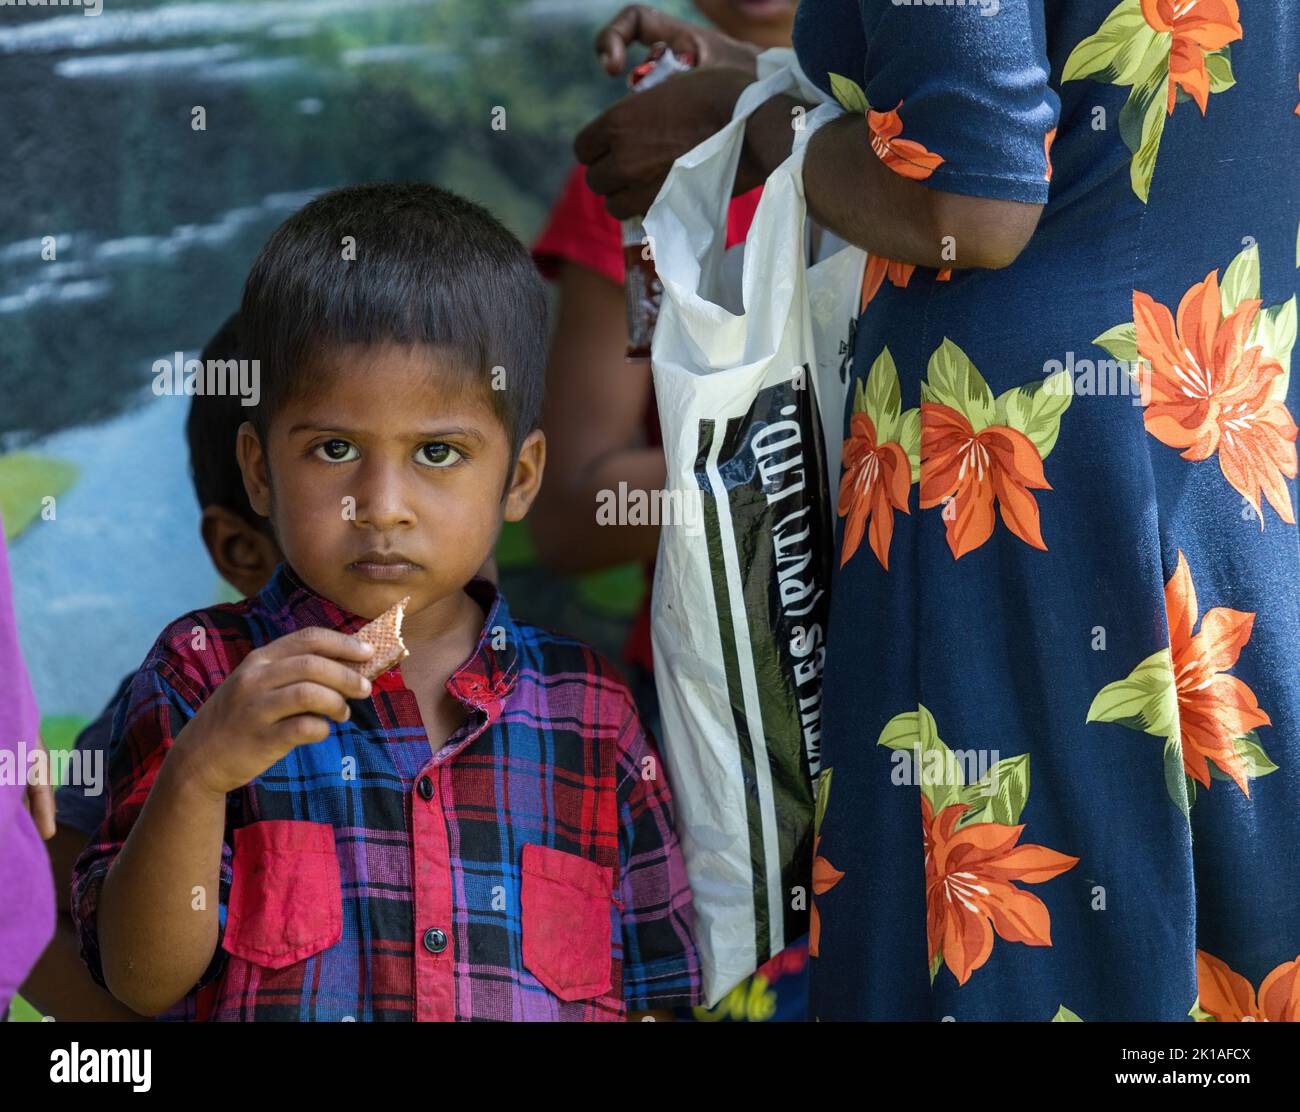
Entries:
{"x":279,"y":696}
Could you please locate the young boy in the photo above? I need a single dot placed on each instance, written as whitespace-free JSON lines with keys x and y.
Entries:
{"x":482,"y":833}
{"x":244,"y":554}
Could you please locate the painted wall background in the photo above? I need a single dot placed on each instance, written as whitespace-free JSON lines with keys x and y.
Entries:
{"x":154,"y":226}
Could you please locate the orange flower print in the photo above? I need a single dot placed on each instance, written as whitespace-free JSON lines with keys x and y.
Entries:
{"x":976,"y":449}
{"x":1212,"y":391}
{"x":880,"y":460}
{"x":1229,"y":998}
{"x":878,"y":268}
{"x":975,"y":468}
{"x":1156,"y":48}
{"x":874,"y":484}
{"x":825,"y":877}
{"x":970,"y":889}
{"x":903,"y":156}
{"x":1047,"y":153}
{"x":1198,"y":27}
{"x":1214,"y":708}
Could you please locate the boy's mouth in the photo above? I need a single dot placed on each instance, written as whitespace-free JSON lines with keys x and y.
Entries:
{"x":385,"y":566}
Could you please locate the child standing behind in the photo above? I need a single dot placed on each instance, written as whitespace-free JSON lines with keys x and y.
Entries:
{"x":244,"y":554}
{"x":484,"y":832}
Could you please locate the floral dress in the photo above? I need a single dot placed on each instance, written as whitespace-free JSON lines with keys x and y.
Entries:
{"x":1062,"y":691}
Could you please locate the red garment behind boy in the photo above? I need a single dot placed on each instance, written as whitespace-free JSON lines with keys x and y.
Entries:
{"x":580,"y":231}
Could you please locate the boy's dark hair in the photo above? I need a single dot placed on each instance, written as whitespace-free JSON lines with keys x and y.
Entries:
{"x":212,"y":429}
{"x":430,"y":268}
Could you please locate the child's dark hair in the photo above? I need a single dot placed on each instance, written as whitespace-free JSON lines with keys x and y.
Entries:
{"x":400,"y":262}
{"x":212,"y":429}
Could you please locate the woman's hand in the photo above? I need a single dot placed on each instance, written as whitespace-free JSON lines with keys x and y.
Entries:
{"x":630,"y":147}
{"x":702,"y":46}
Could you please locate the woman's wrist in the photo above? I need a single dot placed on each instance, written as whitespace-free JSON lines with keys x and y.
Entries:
{"x":769,"y":138}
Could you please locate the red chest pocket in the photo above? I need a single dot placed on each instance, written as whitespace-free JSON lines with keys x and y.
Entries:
{"x":566,"y":923}
{"x":286,"y":899}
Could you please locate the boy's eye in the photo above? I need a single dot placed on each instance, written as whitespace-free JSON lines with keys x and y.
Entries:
{"x":335,"y":451}
{"x":437,"y":454}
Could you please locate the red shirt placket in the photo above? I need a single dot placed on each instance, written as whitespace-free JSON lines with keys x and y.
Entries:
{"x":435,"y":946}
{"x":435,"y":943}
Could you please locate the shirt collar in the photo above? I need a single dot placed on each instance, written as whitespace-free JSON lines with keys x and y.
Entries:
{"x":485,"y":678}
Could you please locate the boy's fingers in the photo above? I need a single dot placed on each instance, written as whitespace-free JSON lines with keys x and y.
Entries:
{"x":320,"y":641}
{"x":302,"y":729}
{"x":306,"y":698}
{"x":334,"y":674}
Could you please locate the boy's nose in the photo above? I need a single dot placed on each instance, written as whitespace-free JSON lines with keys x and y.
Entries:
{"x":381,"y":499}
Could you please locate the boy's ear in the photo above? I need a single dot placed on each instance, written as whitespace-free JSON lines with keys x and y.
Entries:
{"x":244,"y":556}
{"x":527,"y":477}
{"x":252,"y":463}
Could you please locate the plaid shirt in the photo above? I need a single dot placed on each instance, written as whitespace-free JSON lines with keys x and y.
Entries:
{"x":527,"y":869}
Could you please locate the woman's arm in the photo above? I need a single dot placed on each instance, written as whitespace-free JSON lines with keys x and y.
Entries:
{"x":593,"y":411}
{"x":631,"y":146}
{"x":855,"y":195}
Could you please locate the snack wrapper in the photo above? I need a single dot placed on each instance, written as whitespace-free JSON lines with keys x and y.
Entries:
{"x":641,"y":284}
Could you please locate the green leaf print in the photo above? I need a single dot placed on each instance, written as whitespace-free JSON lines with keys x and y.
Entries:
{"x":1240,"y":281}
{"x":1142,"y":123}
{"x":1064,"y":1015}
{"x":849,"y":93}
{"x":1219,"y":68}
{"x":1181,"y":787}
{"x":1000,"y":796}
{"x":881,"y":398}
{"x":1253,"y":756}
{"x":823,"y":798}
{"x":1036,"y":408}
{"x":1127,"y":50}
{"x":934,"y":768}
{"x":1275,"y":326}
{"x":1117,"y":53}
{"x":1121,"y":341}
{"x":909,"y":436}
{"x":953,"y":380}
{"x":1146,"y":700}
{"x":1275,"y":331}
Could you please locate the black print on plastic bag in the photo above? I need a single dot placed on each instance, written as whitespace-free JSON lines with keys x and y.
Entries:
{"x":768,"y":527}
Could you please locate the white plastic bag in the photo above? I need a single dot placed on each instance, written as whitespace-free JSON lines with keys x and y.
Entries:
{"x":746,"y":364}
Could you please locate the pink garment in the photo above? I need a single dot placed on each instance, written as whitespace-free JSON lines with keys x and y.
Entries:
{"x":26,"y":884}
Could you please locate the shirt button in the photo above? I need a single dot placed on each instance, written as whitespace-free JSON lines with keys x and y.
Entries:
{"x":425,"y":788}
{"x":435,"y":940}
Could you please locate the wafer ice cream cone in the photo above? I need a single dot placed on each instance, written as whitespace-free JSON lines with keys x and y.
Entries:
{"x":385,"y":634}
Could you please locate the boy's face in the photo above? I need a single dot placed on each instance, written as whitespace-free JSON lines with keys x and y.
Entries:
{"x":386,"y":480}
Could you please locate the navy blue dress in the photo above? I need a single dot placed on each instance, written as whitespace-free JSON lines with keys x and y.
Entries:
{"x":1062,"y":721}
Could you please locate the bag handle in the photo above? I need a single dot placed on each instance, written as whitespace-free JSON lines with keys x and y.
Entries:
{"x":755,"y":95}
